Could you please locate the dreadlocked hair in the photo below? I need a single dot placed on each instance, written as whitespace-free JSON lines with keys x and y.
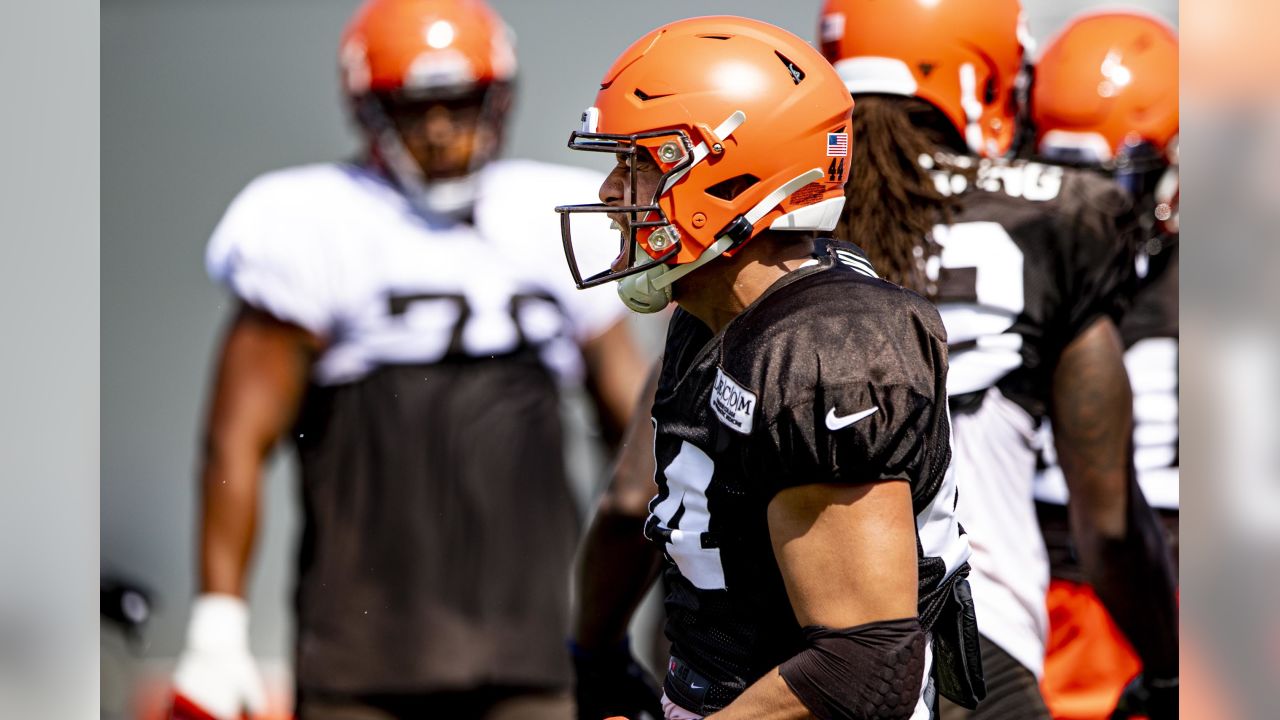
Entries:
{"x":892,"y":203}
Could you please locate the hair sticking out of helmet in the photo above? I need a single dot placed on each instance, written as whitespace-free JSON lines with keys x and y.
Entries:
{"x":430,"y":83}
{"x":748,"y":127}
{"x":893,"y":200}
{"x":964,"y":57}
{"x":1106,"y":96}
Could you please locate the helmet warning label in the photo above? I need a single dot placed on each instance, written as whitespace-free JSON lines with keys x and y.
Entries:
{"x":809,"y":194}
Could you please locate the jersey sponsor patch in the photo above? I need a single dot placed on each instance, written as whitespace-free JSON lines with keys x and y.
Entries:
{"x":732,"y":403}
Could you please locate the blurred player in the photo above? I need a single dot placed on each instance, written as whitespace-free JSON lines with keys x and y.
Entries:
{"x":813,"y":562}
{"x":1030,"y":270}
{"x":405,"y":319}
{"x":1106,"y":98}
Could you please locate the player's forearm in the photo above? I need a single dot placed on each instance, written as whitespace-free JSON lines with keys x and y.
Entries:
{"x":768,"y":698}
{"x":229,"y":511}
{"x":616,"y":567}
{"x":616,"y":564}
{"x":616,"y":380}
{"x":1121,"y":547}
{"x":262,"y":374}
{"x":1134,"y":578}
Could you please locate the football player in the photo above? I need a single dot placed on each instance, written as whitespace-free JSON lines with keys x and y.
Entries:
{"x":1105,"y":98}
{"x":402,"y":323}
{"x":1030,"y":268}
{"x":813,"y":564}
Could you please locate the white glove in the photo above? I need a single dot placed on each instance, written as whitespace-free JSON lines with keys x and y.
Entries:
{"x":216,"y":671}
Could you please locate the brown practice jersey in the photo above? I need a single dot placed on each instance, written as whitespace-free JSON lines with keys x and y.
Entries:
{"x":832,"y":376}
{"x":1032,"y":257}
{"x":1150,"y":334}
{"x":438,"y":528}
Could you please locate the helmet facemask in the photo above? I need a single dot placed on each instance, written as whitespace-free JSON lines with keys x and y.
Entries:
{"x":438,"y":178}
{"x":649,"y":238}
{"x":401,"y":60}
{"x":645,"y":280}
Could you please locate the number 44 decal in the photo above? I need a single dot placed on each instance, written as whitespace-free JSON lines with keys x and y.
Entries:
{"x":835,"y":172}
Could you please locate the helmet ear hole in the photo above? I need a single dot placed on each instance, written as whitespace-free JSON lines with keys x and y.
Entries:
{"x":729,"y":189}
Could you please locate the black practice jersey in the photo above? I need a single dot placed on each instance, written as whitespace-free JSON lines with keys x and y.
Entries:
{"x":421,"y":483}
{"x":1154,"y":311}
{"x":831,"y":376}
{"x":1034,"y":254}
{"x":1150,"y":334}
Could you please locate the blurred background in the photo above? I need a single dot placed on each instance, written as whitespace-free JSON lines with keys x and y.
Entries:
{"x":1230,"y":359}
{"x":197,"y":99}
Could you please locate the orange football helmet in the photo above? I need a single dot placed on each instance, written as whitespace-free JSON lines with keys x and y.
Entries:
{"x":750,"y":127}
{"x":425,"y":48}
{"x":399,"y":52}
{"x":1107,"y":82}
{"x":964,"y":57}
{"x":1106,"y":95}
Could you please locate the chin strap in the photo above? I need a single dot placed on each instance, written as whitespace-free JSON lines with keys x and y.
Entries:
{"x":650,"y":291}
{"x":700,"y":151}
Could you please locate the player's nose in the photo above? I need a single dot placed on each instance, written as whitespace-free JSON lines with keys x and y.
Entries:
{"x":612,"y":189}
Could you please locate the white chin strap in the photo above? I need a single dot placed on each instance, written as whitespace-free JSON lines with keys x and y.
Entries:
{"x":650,"y":291}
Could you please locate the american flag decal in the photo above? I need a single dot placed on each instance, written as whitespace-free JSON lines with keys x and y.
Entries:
{"x":837,"y":144}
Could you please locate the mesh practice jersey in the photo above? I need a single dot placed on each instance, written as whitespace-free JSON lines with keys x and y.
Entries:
{"x":1150,"y":334}
{"x":1033,"y":256}
{"x":831,"y":376}
{"x":439,"y":526}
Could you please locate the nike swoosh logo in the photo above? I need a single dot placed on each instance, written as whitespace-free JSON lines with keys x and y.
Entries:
{"x":835,"y":422}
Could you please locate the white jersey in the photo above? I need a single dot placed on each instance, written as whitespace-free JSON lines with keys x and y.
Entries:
{"x":337,"y":250}
{"x":994,"y":458}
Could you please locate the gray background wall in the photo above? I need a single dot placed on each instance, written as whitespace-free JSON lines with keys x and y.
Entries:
{"x":199,"y":97}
